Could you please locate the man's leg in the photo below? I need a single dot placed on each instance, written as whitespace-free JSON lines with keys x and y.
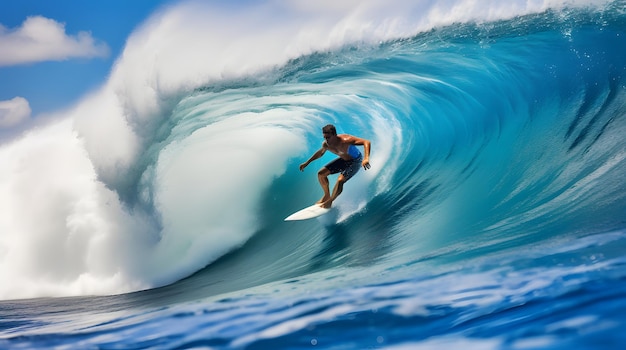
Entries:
{"x":336,"y":191}
{"x":322,"y":176}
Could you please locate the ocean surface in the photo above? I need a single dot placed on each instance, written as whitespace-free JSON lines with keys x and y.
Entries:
{"x":150,"y":214}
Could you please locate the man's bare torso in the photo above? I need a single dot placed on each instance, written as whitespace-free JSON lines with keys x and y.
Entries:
{"x":339,"y":146}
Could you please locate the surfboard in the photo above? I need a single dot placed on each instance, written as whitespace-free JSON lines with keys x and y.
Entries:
{"x":307,"y":213}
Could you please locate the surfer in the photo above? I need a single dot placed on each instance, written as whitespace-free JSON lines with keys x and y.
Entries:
{"x":347,"y":164}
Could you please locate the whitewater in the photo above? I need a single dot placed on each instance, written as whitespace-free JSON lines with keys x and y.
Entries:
{"x":150,"y":213}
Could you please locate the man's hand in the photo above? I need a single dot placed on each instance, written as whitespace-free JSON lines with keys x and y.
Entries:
{"x":302,"y":166}
{"x":366,"y":163}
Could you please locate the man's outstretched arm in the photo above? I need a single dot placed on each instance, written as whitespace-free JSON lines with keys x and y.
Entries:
{"x":320,"y":152}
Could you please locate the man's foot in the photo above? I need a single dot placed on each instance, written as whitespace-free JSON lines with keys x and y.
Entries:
{"x":323,"y":200}
{"x":327,"y":204}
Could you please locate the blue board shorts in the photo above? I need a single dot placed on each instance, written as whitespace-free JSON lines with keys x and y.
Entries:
{"x":347,"y":168}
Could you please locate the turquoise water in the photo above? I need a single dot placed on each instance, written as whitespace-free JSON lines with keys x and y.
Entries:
{"x":493,"y":215}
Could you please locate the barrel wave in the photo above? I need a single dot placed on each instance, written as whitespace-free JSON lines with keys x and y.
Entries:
{"x":496,"y":141}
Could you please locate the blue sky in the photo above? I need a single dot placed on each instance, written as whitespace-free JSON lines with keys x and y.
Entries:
{"x":51,"y":72}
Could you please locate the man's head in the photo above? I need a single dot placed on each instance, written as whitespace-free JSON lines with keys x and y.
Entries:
{"x":329,"y":131}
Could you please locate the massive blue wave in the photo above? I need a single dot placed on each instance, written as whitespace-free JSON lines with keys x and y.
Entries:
{"x":492,"y":216}
{"x":490,"y":130}
{"x":485,"y":137}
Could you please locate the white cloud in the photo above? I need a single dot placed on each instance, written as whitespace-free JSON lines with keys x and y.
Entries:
{"x":43,"y":39}
{"x":13,"y":112}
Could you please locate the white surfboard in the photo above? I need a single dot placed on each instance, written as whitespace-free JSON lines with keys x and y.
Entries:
{"x":308,"y":213}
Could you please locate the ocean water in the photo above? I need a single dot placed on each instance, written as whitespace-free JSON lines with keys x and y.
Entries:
{"x":150,"y":214}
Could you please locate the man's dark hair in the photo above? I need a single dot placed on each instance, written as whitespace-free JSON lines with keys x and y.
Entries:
{"x":329,"y":129}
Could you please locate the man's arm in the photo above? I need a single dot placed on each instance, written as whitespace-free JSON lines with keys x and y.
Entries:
{"x":320,"y":152}
{"x":366,"y":147}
